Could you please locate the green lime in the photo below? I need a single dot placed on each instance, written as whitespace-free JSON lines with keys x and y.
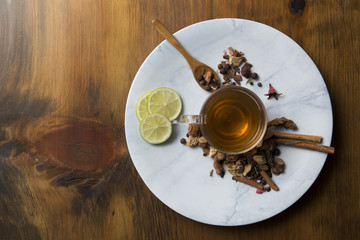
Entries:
{"x":165,"y":101}
{"x":155,"y":128}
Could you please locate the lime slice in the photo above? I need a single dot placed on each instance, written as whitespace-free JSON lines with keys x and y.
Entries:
{"x":155,"y":128}
{"x":141,"y":106}
{"x":165,"y":101}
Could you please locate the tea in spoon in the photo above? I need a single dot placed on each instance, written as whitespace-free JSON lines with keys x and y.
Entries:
{"x":204,"y":75}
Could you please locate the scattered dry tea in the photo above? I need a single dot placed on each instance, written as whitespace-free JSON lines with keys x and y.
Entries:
{"x":257,"y":166}
{"x":234,"y":67}
{"x":283,"y":121}
{"x":248,"y":165}
{"x":208,"y":80}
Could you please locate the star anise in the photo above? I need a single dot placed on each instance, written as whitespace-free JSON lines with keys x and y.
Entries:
{"x":272,"y":93}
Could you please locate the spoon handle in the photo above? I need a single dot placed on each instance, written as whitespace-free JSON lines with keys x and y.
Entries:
{"x":168,"y":36}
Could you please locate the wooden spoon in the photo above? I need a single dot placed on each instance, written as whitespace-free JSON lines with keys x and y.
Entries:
{"x":197,"y":68}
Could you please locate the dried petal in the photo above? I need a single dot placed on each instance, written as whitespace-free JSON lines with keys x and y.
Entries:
{"x":258,"y":191}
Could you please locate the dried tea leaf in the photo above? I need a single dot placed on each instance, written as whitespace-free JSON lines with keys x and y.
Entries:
{"x":260,"y":159}
{"x":236,"y":61}
{"x":235,"y":168}
{"x":247,"y":169}
{"x":212,"y":152}
{"x":192,"y":141}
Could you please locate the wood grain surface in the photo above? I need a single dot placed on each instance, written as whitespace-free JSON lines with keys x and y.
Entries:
{"x":66,"y":67}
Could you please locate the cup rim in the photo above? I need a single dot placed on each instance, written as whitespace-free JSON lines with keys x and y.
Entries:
{"x":256,"y":99}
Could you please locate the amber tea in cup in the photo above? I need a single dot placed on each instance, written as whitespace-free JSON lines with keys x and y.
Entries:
{"x":234,"y":120}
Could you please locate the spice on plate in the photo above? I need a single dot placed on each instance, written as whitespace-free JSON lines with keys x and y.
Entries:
{"x":208,"y":80}
{"x":245,"y":70}
{"x":218,"y":166}
{"x":272,"y":93}
{"x":283,"y":121}
{"x":234,"y":67}
{"x":257,"y":166}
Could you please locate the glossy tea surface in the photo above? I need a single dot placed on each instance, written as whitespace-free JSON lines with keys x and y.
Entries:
{"x":235,"y":119}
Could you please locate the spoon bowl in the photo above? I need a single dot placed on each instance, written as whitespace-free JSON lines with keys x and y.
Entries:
{"x":204,"y":75}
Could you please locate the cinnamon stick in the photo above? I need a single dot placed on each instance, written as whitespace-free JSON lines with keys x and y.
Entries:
{"x":311,"y":138}
{"x":248,"y":182}
{"x":305,"y":145}
{"x":269,"y":181}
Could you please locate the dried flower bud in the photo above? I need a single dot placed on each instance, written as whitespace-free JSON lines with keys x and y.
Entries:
{"x":258,"y":191}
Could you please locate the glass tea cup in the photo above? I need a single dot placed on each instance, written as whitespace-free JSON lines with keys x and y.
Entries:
{"x":232,"y":119}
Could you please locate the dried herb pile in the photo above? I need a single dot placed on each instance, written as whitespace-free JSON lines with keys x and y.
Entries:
{"x":257,"y":166}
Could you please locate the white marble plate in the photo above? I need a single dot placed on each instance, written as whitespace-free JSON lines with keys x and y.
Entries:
{"x":179,"y":175}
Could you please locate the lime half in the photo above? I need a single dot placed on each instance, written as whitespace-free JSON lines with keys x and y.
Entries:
{"x":141,"y":106}
{"x":165,"y":101}
{"x":155,"y":128}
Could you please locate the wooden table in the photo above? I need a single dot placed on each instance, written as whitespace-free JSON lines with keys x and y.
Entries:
{"x":66,"y":68}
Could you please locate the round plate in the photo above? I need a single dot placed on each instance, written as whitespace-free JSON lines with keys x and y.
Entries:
{"x":179,"y":175}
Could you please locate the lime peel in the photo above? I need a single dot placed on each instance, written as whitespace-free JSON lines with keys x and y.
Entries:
{"x":141,"y":106}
